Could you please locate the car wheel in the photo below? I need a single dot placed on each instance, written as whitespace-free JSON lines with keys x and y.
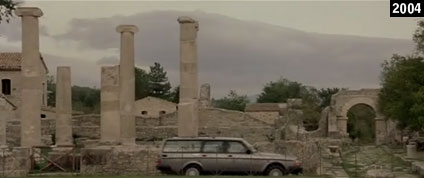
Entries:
{"x":275,"y":171}
{"x":192,"y":170}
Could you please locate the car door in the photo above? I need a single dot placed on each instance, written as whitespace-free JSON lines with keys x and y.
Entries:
{"x":237,"y":157}
{"x":211,"y":156}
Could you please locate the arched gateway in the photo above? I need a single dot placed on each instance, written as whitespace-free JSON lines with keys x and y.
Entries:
{"x":342,"y":101}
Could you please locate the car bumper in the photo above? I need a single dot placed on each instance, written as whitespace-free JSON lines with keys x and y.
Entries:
{"x":164,"y":169}
{"x":296,"y":170}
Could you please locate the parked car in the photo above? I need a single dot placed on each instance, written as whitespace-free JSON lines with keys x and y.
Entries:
{"x":216,"y":155}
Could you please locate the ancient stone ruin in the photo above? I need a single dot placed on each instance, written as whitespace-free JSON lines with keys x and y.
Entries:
{"x":125,"y":137}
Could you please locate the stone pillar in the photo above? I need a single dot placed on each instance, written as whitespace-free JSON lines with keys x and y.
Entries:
{"x":342,"y":125}
{"x":110,"y":124}
{"x":380,"y":130}
{"x":188,"y":116}
{"x":63,"y":107}
{"x":127,"y":83}
{"x":31,"y":77}
{"x":205,"y":95}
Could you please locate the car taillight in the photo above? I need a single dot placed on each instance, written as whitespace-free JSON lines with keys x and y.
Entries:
{"x":159,"y":162}
{"x":297,"y":163}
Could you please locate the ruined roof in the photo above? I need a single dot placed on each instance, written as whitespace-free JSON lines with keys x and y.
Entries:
{"x":12,"y":61}
{"x":265,"y":107}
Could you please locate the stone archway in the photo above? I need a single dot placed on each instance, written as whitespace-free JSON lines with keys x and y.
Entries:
{"x":342,"y":101}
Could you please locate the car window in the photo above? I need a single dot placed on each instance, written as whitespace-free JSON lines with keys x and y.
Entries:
{"x":184,"y":146}
{"x":213,"y":147}
{"x":234,"y":147}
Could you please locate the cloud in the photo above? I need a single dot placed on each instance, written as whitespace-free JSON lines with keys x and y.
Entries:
{"x":12,"y":31}
{"x":238,"y":55}
{"x":108,"y":60}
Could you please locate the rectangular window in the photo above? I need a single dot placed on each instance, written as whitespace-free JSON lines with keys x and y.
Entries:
{"x":213,"y":147}
{"x":6,"y":86}
{"x":235,"y":147}
{"x":182,"y":146}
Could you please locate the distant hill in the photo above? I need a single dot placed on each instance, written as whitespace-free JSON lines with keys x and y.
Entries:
{"x":242,"y":55}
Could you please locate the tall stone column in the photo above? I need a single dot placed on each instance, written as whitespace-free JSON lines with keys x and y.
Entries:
{"x":63,"y":107}
{"x":127,"y":83}
{"x":110,"y":124}
{"x":31,"y":77}
{"x":188,"y":116}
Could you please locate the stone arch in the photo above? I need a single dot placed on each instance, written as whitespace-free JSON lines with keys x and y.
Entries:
{"x":344,"y":100}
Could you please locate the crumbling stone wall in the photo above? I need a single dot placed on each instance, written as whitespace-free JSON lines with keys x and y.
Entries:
{"x":15,"y":162}
{"x":119,"y":160}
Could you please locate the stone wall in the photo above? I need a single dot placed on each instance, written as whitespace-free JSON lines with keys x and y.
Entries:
{"x":267,"y":117}
{"x":213,"y":122}
{"x":15,"y":163}
{"x":119,"y":160}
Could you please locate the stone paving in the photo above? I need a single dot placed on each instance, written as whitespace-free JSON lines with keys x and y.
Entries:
{"x":357,"y":161}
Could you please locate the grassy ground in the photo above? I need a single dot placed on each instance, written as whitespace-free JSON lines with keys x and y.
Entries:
{"x":170,"y":176}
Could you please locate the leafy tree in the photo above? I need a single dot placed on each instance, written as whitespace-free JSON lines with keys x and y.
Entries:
{"x":51,"y":91}
{"x":142,"y":88}
{"x":232,"y":101}
{"x":158,"y":82}
{"x":85,"y":99}
{"x":401,"y":96}
{"x":6,"y":9}
{"x":175,"y":95}
{"x":418,"y":37}
{"x":280,"y":91}
{"x":325,"y":96}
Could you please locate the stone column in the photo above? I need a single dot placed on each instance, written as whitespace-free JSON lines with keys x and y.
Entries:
{"x":205,"y":95}
{"x":188,"y":116}
{"x":380,"y":130}
{"x":31,"y":77}
{"x":342,"y":125}
{"x":63,"y":107}
{"x":127,"y":83}
{"x":110,"y":124}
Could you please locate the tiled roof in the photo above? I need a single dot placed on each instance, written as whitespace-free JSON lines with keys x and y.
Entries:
{"x":12,"y":61}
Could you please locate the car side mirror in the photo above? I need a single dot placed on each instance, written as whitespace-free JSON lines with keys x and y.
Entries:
{"x":248,"y":152}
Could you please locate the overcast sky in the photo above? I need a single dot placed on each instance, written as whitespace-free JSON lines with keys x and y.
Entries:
{"x":301,"y":41}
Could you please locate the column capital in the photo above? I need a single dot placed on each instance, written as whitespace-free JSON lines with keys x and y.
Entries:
{"x":29,"y":11}
{"x":127,"y":28}
{"x":186,"y":19}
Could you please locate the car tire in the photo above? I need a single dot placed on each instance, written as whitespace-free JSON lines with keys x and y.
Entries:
{"x":275,"y":171}
{"x":192,"y":170}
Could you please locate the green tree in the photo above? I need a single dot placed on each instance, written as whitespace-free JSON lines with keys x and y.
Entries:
{"x":280,"y":91}
{"x":6,"y":9}
{"x":85,"y":99}
{"x":401,"y":96}
{"x":158,"y":82}
{"x":325,"y":94}
{"x":175,"y":95}
{"x":232,"y":101}
{"x":142,"y":88}
{"x":51,"y":91}
{"x":402,"y":93}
